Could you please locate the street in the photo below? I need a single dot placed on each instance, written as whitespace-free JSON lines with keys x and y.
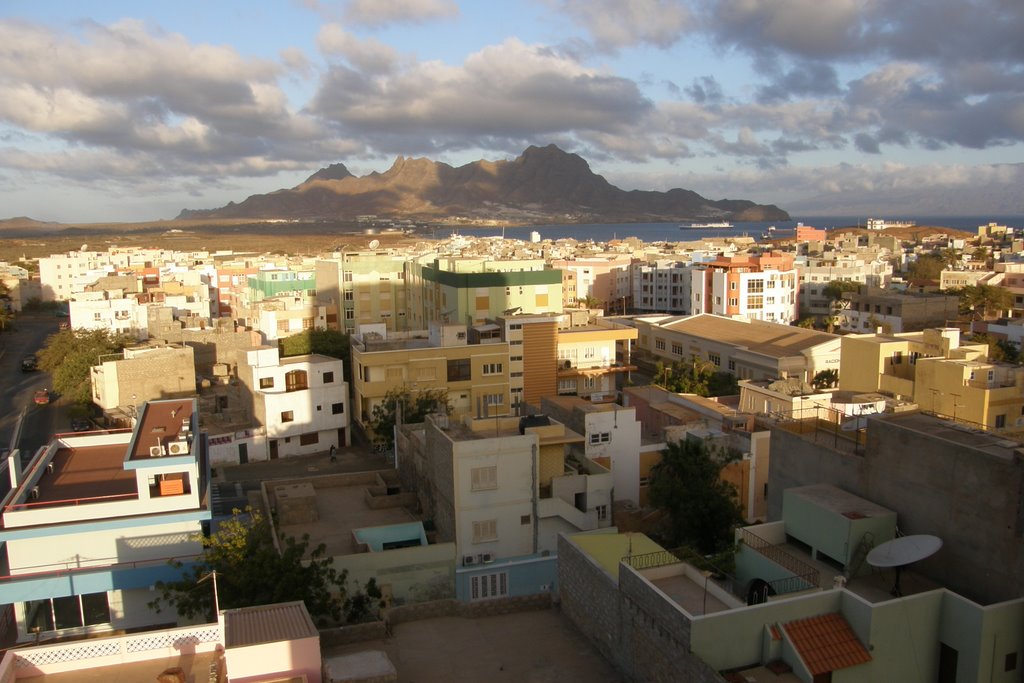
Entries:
{"x":29,"y":334}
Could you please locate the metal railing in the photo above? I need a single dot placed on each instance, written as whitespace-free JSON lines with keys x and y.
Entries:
{"x":58,"y":568}
{"x":804,"y":575}
{"x":660,"y":558}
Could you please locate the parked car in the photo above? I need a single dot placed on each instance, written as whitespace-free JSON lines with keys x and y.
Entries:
{"x":80,"y":424}
{"x":29,"y":364}
{"x":41,"y":397}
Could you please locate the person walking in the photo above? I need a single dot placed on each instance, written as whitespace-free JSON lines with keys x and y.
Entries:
{"x":334,"y":453}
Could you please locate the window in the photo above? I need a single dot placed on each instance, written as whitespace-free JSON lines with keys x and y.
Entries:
{"x":897,"y":357}
{"x":602,"y":512}
{"x":309,"y":439}
{"x":492,"y":368}
{"x":732,"y":285}
{"x":266,"y":382}
{"x":349,"y":296}
{"x":459,"y":370}
{"x":485,"y":531}
{"x":600,"y":437}
{"x":715,"y":358}
{"x":74,"y":611}
{"x":755,"y":286}
{"x":1010,"y":663}
{"x":732,"y":365}
{"x":288,"y":416}
{"x":755,"y":302}
{"x":494,"y":399}
{"x":328,"y":377}
{"x":515,"y":358}
{"x":524,"y":520}
{"x":350,"y":314}
{"x":659,"y":344}
{"x":295,"y":380}
{"x":337,"y":408}
{"x":1001,"y":421}
{"x":488,"y":586}
{"x":677,"y":349}
{"x":483,"y":478}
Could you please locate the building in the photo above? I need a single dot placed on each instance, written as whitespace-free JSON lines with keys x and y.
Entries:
{"x":298,"y":404}
{"x":363,"y":287}
{"x":602,"y":277}
{"x":749,"y":349}
{"x":862,"y":266}
{"x":869,"y":308}
{"x":473,"y":370}
{"x":284,"y":315}
{"x":90,"y":524}
{"x":763,"y":287}
{"x":502,"y":488}
{"x":661,"y":286}
{"x":146,"y":373}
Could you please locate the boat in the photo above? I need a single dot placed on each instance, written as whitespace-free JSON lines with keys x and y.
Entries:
{"x":701,"y":226}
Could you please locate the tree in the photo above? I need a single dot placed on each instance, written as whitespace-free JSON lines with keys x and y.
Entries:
{"x":687,"y":484}
{"x":999,"y":350}
{"x":414,"y":406}
{"x":69,"y":356}
{"x":926,"y":267}
{"x":835,"y":289}
{"x":251,"y":571}
{"x":978,"y":301}
{"x":825,"y":379}
{"x":589,"y":301}
{"x":325,"y":342}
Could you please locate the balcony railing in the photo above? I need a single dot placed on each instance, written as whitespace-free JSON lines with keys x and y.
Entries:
{"x":804,"y":575}
{"x":101,"y":564}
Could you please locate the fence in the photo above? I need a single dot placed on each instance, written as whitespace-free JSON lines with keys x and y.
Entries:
{"x":804,"y":575}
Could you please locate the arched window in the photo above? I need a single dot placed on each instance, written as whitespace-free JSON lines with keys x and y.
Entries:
{"x":295,"y":380}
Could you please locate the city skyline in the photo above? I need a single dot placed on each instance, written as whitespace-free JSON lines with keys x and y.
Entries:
{"x":847,"y":107}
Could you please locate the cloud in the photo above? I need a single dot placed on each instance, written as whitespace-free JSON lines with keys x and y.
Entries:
{"x":806,"y":79}
{"x":378,"y":13}
{"x":616,"y":24}
{"x":510,"y":91}
{"x":705,"y":90}
{"x":365,"y":55}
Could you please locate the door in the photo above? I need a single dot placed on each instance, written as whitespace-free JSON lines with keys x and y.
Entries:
{"x":273,"y":449}
{"x":243,"y":453}
{"x":947,"y":663}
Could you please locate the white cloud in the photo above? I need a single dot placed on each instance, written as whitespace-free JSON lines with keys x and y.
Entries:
{"x":615,"y":24}
{"x":366,"y":55}
{"x":378,"y":13}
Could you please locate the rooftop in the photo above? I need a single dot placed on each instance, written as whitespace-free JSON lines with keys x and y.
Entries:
{"x":770,"y":339}
{"x":86,"y":473}
{"x":267,"y":624}
{"x":161,"y":423}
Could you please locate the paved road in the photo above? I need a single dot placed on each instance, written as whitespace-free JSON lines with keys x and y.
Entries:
{"x":17,"y":387}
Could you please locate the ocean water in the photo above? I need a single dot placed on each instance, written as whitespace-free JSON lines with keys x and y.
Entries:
{"x":671,"y":232}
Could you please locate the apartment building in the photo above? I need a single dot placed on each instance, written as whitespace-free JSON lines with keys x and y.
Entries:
{"x":123,"y":382}
{"x":869,"y":308}
{"x":598,"y":276}
{"x":91,"y":522}
{"x":763,"y":287}
{"x":111,"y":310}
{"x":230,"y":289}
{"x":865,"y":267}
{"x":503,"y":489}
{"x":473,"y":290}
{"x":662,"y":286}
{"x":362,"y":287}
{"x":750,"y":349}
{"x":286,"y":315}
{"x":474,"y":369}
{"x":299,"y":404}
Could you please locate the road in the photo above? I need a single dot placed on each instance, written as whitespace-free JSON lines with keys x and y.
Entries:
{"x":17,"y":387}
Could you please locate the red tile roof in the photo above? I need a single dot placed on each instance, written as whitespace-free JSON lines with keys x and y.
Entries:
{"x":826,"y":643}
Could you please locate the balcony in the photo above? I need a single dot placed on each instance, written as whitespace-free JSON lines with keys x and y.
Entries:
{"x":590,"y":368}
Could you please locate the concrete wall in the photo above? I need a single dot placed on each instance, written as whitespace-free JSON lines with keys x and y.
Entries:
{"x":646,"y":636}
{"x":415,"y":574}
{"x":966,"y":496}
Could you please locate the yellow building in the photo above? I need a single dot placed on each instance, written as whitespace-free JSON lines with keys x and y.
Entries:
{"x":475,"y":373}
{"x":943,"y":376}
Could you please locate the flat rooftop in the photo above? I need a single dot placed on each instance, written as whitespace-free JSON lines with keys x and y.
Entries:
{"x":340,"y":510}
{"x":89,"y":472}
{"x":161,"y":423}
{"x":997,"y":445}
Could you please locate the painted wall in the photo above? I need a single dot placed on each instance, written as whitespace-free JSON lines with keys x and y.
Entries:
{"x":283,"y":659}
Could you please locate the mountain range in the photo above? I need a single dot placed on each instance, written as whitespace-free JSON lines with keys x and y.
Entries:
{"x":543,"y":184}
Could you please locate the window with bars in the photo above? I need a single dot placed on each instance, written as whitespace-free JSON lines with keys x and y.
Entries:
{"x":488,"y":586}
{"x":485,"y":531}
{"x":483,"y":478}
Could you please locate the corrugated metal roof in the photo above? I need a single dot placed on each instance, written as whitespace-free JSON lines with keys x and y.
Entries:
{"x":267,"y":624}
{"x":771,"y":339}
{"x":826,"y":643}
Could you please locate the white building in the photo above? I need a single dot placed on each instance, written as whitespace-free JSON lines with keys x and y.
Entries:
{"x":91,"y":523}
{"x":299,"y":405}
{"x":111,"y":311}
{"x":868,"y":268}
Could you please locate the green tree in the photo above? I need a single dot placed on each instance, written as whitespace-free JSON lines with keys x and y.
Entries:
{"x":325,"y":342}
{"x":687,"y":484}
{"x":251,"y":571}
{"x":589,"y":301}
{"x":414,"y":406}
{"x":926,"y":267}
{"x":834,"y":290}
{"x":999,"y":349}
{"x":982,"y":301}
{"x":69,"y":355}
{"x":825,"y":379}
{"x":685,"y":377}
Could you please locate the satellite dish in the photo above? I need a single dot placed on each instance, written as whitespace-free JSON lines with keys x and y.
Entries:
{"x":374,"y":244}
{"x":84,"y":247}
{"x":901,"y":551}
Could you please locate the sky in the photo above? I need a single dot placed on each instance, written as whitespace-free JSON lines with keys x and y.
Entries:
{"x":131,"y":111}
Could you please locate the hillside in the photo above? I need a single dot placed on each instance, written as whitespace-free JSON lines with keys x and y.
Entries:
{"x":544,"y":184}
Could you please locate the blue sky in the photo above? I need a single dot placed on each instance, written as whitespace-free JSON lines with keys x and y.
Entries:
{"x":134,"y":111}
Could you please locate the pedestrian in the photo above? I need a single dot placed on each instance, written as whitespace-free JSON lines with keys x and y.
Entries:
{"x":334,"y":453}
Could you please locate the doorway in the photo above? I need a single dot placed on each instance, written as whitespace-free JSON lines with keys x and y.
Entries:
{"x":243,"y":453}
{"x":273,"y":449}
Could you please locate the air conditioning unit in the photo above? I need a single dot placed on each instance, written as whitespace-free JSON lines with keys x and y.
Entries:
{"x":34,"y":493}
{"x":178,"y":448}
{"x":186,"y":425}
{"x":487,"y":558}
{"x":49,"y":468}
{"x":156,"y":451}
{"x":468,"y":560}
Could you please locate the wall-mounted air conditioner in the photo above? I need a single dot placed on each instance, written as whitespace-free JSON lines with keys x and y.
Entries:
{"x":486,"y":558}
{"x":468,"y":560}
{"x":34,"y":493}
{"x":178,"y":448}
{"x":156,"y":451}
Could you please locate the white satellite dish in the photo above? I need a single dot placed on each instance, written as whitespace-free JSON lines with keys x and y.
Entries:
{"x":901,"y":551}
{"x":374,"y":244}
